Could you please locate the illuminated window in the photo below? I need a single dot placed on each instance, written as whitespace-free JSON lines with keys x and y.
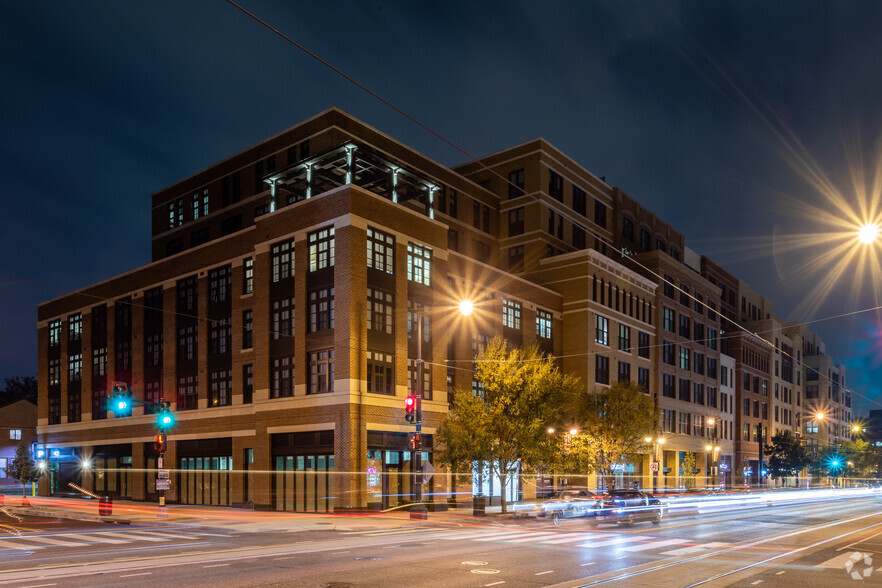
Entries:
{"x":219,"y":388}
{"x":74,"y":367}
{"x":74,"y":327}
{"x":321,"y":249}
{"x":200,"y":204}
{"x":379,"y":315}
{"x":219,"y":284}
{"x":54,"y":333}
{"x":511,"y":314}
{"x":248,"y":276}
{"x":543,"y":323}
{"x":419,"y":264}
{"x":321,"y":371}
{"x":380,"y":251}
{"x":282,"y":319}
{"x":283,"y":260}
{"x":380,"y":373}
{"x":624,"y":338}
{"x":282,"y":383}
{"x":321,"y":309}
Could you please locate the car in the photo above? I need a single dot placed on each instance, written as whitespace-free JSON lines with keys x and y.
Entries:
{"x":627,"y":507}
{"x":571,"y":501}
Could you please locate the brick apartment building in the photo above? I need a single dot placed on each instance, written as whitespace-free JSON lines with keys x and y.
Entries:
{"x":278,"y":316}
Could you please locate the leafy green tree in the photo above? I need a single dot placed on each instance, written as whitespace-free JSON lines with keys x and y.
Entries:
{"x":19,"y":388}
{"x":612,"y":426}
{"x":688,"y":466}
{"x":786,"y":455}
{"x":506,"y":424}
{"x":22,"y":468}
{"x":864,"y":456}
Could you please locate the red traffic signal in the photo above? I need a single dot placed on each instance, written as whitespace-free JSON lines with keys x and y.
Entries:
{"x":410,"y":409}
{"x":159,"y":443}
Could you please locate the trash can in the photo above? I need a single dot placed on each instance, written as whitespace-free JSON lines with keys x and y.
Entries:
{"x":105,"y":506}
{"x":478,"y":506}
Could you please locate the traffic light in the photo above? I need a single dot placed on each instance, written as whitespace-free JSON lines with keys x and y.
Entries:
{"x":414,"y":441}
{"x":165,"y":419}
{"x":159,"y":443}
{"x":120,"y":400}
{"x":410,"y":409}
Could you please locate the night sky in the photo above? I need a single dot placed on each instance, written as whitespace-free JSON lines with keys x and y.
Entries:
{"x":748,"y":126}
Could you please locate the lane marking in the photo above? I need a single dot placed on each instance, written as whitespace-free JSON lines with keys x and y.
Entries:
{"x":543,"y":573}
{"x":490,"y":584}
{"x":38,"y":585}
{"x":757,"y":582}
{"x":781,"y":572}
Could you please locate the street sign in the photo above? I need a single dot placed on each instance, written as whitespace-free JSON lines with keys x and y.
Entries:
{"x":163,"y":484}
{"x":162,"y":474}
{"x":428,"y":470}
{"x":653,"y":466}
{"x":159,"y":462}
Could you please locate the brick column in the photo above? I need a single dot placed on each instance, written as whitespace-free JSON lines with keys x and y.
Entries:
{"x":138,"y":475}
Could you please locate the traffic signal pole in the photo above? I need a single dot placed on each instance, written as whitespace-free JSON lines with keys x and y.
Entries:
{"x":418,"y":511}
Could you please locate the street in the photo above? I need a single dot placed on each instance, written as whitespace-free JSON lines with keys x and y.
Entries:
{"x":787,"y":544}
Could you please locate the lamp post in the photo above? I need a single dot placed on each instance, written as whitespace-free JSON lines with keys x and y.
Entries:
{"x":419,"y":510}
{"x":655,"y":466}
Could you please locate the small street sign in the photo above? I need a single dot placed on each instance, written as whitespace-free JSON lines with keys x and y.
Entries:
{"x":163,"y":484}
{"x":162,"y":474}
{"x":653,"y":467}
{"x":428,"y":470}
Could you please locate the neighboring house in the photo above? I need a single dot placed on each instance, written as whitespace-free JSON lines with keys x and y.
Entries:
{"x":18,"y":424}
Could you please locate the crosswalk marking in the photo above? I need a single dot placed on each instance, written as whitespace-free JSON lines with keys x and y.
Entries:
{"x":573,"y":537}
{"x":614,"y":541}
{"x":50,"y":541}
{"x":651,"y":545}
{"x":96,"y":537}
{"x":19,"y":546}
{"x":532,"y":537}
{"x":499,"y":536}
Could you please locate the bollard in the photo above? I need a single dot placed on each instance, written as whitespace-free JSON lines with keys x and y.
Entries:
{"x":105,"y":506}
{"x":478,"y":506}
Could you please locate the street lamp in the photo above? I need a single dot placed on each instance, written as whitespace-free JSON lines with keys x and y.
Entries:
{"x":868,"y":233}
{"x":656,"y":443}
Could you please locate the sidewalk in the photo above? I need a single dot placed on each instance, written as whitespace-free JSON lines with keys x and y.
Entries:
{"x":139,"y":513}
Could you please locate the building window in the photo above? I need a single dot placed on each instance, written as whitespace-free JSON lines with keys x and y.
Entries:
{"x":414,"y":308}
{"x":516,"y":258}
{"x":75,"y":367}
{"x":99,"y":363}
{"x":668,"y":386}
{"x":282,"y":384}
{"x":643,"y":378}
{"x":811,"y":427}
{"x":321,"y":309}
{"x":248,"y":276}
{"x":380,"y":369}
{"x":684,"y":294}
{"x":668,"y":352}
{"x":247,"y":384}
{"x":668,"y":319}
{"x":283,"y":260}
{"x":684,"y":422}
{"x":321,"y":371}
{"x":601,"y":330}
{"x":627,"y":228}
{"x":176,"y":213}
{"x":427,"y":379}
{"x":698,"y":425}
{"x":555,"y":185}
{"x":669,"y":286}
{"x":380,"y":251}
{"x":188,"y":339}
{"x":482,"y":251}
{"x":419,"y":264}
{"x":660,"y":245}
{"x":188,"y":289}
{"x":601,"y":369}
{"x":74,"y":327}
{"x":247,"y":329}
{"x":511,"y":314}
{"x":600,"y":213}
{"x":644,"y":240}
{"x":684,"y":358}
{"x":516,"y":222}
{"x":579,"y":237}
{"x":698,"y":363}
{"x":219,"y":388}
{"x":698,"y":393}
{"x":188,"y":397}
{"x":516,"y":183}
{"x":669,"y":420}
{"x":380,"y":305}
{"x":282,"y":318}
{"x":321,"y":249}
{"x":643,"y":344}
{"x":625,"y":338}
{"x":54,"y":333}
{"x":579,"y":201}
{"x":685,"y":331}
{"x":624,"y":371}
{"x":543,"y":323}
{"x":200,"y":204}
{"x":684,"y":392}
{"x":219,"y":285}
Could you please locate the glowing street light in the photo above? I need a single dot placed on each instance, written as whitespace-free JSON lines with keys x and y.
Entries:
{"x":868,"y":233}
{"x":551,"y":430}
{"x":574,"y":431}
{"x":819,"y":416}
{"x":466,"y":307}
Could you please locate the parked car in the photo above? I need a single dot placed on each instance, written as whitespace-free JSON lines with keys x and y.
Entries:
{"x":628,"y":507}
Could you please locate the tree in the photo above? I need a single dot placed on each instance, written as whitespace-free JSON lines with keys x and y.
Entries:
{"x":19,"y":388}
{"x":786,"y":455}
{"x":688,"y":466}
{"x":22,"y":468}
{"x":864,"y":456}
{"x":505,"y":425}
{"x":613,"y":425}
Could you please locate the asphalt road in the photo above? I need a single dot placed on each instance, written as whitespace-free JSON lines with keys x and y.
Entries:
{"x":808,"y":544}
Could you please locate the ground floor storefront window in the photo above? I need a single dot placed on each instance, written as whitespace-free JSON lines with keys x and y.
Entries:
{"x":303,"y":466}
{"x":205,"y":468}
